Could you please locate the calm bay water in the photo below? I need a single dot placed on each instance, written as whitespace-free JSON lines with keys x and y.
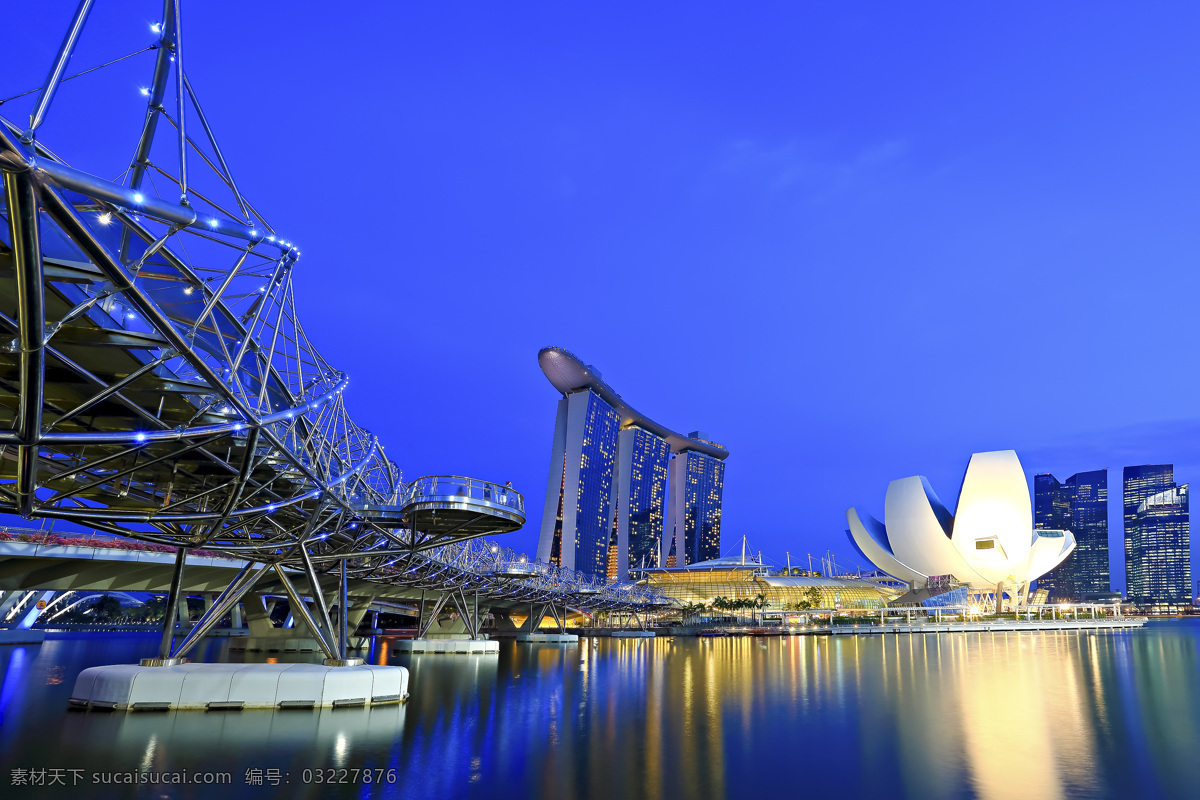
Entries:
{"x":1031,"y":715}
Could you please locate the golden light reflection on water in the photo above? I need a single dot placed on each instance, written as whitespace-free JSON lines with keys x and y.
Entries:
{"x":935,"y":717}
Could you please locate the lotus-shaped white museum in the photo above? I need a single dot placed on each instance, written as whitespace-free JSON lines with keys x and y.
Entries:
{"x":989,"y":543}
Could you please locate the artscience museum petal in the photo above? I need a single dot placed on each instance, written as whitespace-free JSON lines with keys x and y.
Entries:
{"x":988,"y":543}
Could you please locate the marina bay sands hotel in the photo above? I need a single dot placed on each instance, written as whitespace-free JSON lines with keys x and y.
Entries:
{"x":624,"y":492}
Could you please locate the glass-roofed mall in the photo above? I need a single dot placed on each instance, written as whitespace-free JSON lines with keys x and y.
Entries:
{"x":744,"y":578}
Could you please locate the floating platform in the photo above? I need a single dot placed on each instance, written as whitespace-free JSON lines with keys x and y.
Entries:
{"x":231,"y":687}
{"x":547,"y":638}
{"x":464,"y":646}
{"x":620,"y":633}
{"x":998,"y":625}
{"x":19,"y":636}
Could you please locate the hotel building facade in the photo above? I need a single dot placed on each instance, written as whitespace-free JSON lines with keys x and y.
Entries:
{"x":624,"y":492}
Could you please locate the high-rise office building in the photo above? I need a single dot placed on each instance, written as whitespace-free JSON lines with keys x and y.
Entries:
{"x":1138,"y":485}
{"x":1051,"y":512}
{"x":610,"y":487}
{"x":1158,"y":544}
{"x":1078,"y":504}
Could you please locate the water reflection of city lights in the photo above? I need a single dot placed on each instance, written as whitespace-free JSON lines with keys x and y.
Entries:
{"x":341,"y":749}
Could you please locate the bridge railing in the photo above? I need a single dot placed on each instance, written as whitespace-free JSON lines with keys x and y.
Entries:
{"x":430,"y":487}
{"x":488,"y":560}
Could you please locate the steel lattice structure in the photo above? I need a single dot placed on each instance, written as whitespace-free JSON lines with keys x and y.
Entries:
{"x":160,"y":384}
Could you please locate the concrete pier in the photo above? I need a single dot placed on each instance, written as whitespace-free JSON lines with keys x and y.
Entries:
{"x":617,"y":633}
{"x":547,"y":638}
{"x":128,"y":687}
{"x":461,"y":646}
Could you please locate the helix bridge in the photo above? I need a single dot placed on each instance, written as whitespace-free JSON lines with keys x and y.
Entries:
{"x":157,"y":383}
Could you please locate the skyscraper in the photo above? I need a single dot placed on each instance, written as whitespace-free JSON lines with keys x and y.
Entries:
{"x":693,"y":526}
{"x":577,"y":515}
{"x":610,"y":484}
{"x":1140,"y":484}
{"x":1157,"y":539}
{"x":1051,"y":512}
{"x":641,"y":500}
{"x":1080,"y":505}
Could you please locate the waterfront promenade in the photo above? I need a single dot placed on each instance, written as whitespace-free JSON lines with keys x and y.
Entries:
{"x":996,"y":625}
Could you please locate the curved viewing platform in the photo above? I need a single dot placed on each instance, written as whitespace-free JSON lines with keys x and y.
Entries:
{"x":444,"y":505}
{"x":454,"y":491}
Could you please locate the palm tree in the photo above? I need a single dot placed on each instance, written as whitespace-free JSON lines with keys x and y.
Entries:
{"x":692,"y":610}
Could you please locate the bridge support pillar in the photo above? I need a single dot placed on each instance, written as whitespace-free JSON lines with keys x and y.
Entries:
{"x":433,"y":616}
{"x":258,"y":614}
{"x":215,"y":612}
{"x":358,"y":611}
{"x":535,"y":618}
{"x":265,"y":637}
{"x":301,"y":613}
{"x":468,"y":610}
{"x":21,"y":195}
{"x":171,"y":612}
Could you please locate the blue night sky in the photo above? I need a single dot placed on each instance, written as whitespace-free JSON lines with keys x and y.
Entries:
{"x":852,"y":242}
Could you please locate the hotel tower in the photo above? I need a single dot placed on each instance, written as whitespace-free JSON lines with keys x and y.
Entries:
{"x":624,"y":492}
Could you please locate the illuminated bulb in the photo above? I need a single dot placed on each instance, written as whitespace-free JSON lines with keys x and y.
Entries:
{"x":213,"y":222}
{"x":137,"y":197}
{"x":141,"y":437}
{"x":187,"y":290}
{"x":104,"y":218}
{"x":156,"y":27}
{"x":145,"y":92}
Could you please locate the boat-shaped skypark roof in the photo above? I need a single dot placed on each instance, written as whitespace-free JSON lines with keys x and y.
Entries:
{"x":568,"y":374}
